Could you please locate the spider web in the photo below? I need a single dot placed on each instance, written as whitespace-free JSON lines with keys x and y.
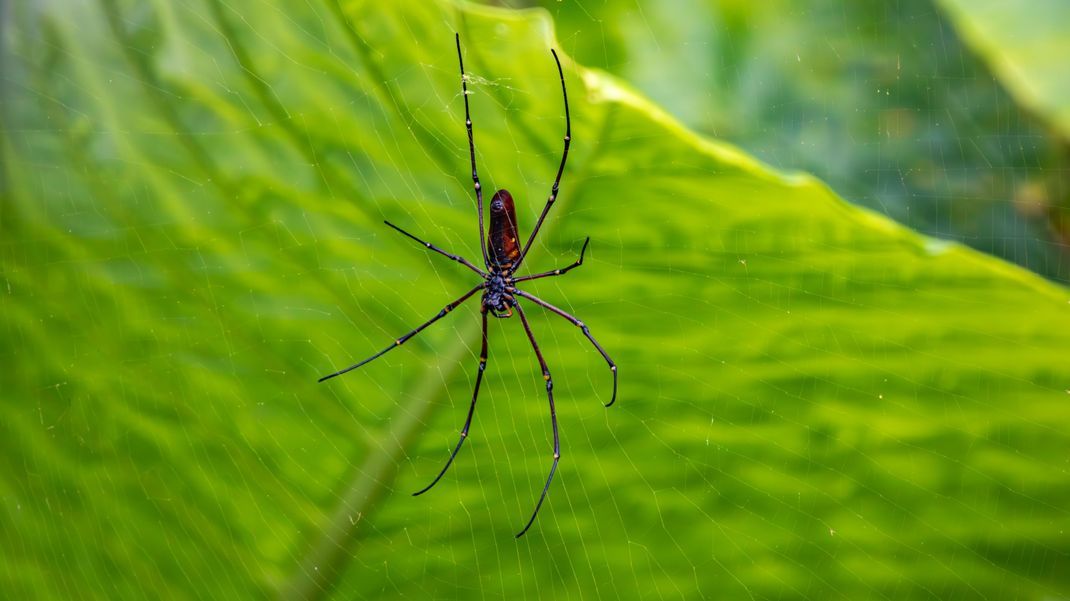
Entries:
{"x":192,"y":235}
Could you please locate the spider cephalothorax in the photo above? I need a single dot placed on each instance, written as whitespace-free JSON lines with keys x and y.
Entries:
{"x":502,"y":257}
{"x":495,"y":297}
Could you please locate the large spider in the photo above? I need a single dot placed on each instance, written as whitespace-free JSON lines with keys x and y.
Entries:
{"x":502,"y":257}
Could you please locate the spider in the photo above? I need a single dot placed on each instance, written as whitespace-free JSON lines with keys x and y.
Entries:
{"x":502,"y":257}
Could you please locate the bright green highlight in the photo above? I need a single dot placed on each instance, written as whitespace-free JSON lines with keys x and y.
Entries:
{"x":1027,"y":45}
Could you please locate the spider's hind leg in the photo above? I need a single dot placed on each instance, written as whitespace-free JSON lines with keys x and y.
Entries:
{"x":583,"y":328}
{"x":471,"y":407}
{"x":553,"y":419}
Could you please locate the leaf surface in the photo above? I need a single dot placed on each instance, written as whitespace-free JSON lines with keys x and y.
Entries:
{"x":815,"y":401}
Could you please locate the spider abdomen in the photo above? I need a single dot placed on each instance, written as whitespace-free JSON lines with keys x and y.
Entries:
{"x":502,"y":241}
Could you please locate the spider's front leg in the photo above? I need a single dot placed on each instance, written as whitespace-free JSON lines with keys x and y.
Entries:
{"x":442,"y":252}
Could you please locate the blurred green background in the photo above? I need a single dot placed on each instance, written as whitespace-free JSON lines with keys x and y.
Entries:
{"x":884,"y":101}
{"x":817,"y":401}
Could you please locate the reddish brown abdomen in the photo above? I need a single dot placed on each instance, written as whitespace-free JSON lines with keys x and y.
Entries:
{"x":502,"y":243}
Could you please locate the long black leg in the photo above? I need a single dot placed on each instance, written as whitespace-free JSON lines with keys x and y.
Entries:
{"x":457,"y":258}
{"x":582,"y":326}
{"x":548,"y":274}
{"x":560,"y":170}
{"x":403,"y":339}
{"x":472,"y":153}
{"x":471,"y":408}
{"x":553,"y":418}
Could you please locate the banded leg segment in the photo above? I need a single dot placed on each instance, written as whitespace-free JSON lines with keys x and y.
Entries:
{"x":471,"y":408}
{"x":406,"y":337}
{"x":560,"y":169}
{"x":563,"y":271}
{"x":442,"y":252}
{"x":472,"y":154}
{"x":582,"y":326}
{"x":553,"y":418}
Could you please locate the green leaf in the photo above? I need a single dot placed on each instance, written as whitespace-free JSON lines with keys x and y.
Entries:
{"x":815,"y":401}
{"x":1026,"y":47}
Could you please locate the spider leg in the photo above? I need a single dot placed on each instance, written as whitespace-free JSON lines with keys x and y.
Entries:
{"x":405,"y":338}
{"x":582,"y":326}
{"x":553,"y":418}
{"x":563,"y":271}
{"x":560,"y":169}
{"x":472,"y":153}
{"x":471,"y":408}
{"x":434,"y":248}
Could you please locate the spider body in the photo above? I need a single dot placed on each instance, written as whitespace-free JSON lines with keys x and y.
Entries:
{"x":496,"y":297}
{"x":503,"y":251}
{"x":502,"y":257}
